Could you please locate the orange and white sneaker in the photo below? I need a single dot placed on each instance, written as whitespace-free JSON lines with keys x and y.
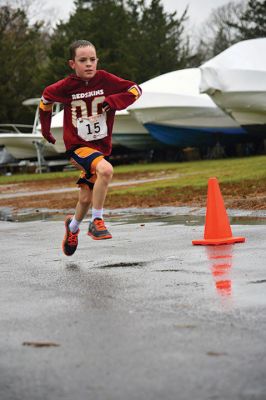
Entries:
{"x":70,"y":242}
{"x":98,"y":231}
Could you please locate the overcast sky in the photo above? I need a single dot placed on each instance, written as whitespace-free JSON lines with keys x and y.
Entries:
{"x":199,"y":10}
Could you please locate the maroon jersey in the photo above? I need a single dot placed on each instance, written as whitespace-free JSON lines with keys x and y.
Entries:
{"x":83,"y":99}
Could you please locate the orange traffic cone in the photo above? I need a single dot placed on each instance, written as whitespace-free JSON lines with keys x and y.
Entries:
{"x":217,"y":228}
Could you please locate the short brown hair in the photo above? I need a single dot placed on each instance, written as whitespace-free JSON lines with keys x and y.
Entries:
{"x":75,"y":45}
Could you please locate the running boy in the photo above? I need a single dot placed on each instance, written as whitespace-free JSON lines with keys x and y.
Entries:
{"x":90,"y":99}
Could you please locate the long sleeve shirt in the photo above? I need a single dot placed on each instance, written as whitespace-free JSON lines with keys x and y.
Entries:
{"x":83,"y":99}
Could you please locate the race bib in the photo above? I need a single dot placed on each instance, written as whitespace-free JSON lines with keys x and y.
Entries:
{"x":92,"y":128}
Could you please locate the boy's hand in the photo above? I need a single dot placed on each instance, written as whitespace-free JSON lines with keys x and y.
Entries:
{"x":105,"y":106}
{"x":50,"y":138}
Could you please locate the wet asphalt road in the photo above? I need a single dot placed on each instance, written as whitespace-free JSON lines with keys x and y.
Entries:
{"x":143,"y":316}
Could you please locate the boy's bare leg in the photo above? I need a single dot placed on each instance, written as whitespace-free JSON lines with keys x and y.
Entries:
{"x":104,"y":172}
{"x":83,"y":204}
{"x":70,"y":241}
{"x":97,"y":229}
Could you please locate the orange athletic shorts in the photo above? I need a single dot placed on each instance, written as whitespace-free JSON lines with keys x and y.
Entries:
{"x":86,"y":159}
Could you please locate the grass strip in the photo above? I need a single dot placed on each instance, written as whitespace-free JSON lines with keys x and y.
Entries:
{"x":190,"y":173}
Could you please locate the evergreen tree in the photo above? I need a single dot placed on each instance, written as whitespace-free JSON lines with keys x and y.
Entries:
{"x":23,"y":53}
{"x":157,"y":40}
{"x":252,"y":22}
{"x":132,"y":40}
{"x":102,"y":22}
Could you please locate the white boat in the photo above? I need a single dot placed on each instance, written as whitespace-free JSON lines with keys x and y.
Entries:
{"x":174,"y":112}
{"x":24,"y":141}
{"x":57,"y":131}
{"x":5,"y":157}
{"x":127,"y":132}
{"x":23,"y":146}
{"x":236,"y":81}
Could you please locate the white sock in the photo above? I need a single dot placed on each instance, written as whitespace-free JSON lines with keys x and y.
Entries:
{"x":96,"y":213}
{"x":74,"y":225}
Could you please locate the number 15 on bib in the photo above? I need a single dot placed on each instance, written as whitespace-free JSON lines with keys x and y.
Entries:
{"x":92,"y":128}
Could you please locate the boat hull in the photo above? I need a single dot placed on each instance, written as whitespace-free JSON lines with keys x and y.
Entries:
{"x":5,"y":156}
{"x":247,"y":108}
{"x":236,"y":81}
{"x":175,"y":113}
{"x":129,"y":133}
{"x":184,"y":136}
{"x":21,"y":146}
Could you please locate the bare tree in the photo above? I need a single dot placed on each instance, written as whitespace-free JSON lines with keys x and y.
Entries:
{"x":35,"y":11}
{"x":218,"y":32}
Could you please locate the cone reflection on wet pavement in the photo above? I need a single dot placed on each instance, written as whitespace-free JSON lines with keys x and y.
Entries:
{"x":221,"y":259}
{"x":217,"y":227}
{"x":224,"y":287}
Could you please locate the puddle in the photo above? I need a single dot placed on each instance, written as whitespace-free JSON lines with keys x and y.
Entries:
{"x":30,"y":214}
{"x":122,"y":265}
{"x":166,"y":215}
{"x":165,"y":219}
{"x":191,"y":216}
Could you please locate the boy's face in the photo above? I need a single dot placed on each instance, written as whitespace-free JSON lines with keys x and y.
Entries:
{"x":85,"y":62}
